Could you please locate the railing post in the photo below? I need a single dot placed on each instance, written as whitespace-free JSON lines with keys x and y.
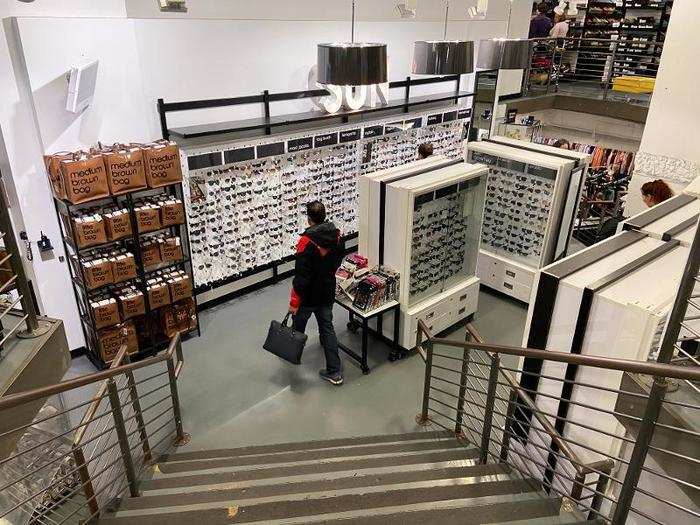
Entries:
{"x":505,"y":443}
{"x":597,"y":500}
{"x":86,"y":482}
{"x":462,"y":390}
{"x":488,"y":415}
{"x":181,"y":438}
{"x":122,"y":437}
{"x":422,"y":418}
{"x":641,"y":448}
{"x":136,"y":403}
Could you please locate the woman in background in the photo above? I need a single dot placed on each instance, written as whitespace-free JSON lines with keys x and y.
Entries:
{"x":561,"y":24}
{"x":655,"y":191}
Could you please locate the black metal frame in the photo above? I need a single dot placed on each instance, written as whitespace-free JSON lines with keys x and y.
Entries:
{"x":80,"y":291}
{"x":363,"y":325}
{"x":268,"y":122}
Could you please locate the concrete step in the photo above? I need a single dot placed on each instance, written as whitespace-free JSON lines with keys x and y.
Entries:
{"x":299,"y":456}
{"x":307,"y":445}
{"x":466,"y":456}
{"x":316,"y":483}
{"x":361,"y":503}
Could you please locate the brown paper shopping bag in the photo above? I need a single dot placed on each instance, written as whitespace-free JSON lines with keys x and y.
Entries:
{"x":125,"y":169}
{"x":84,"y":177}
{"x":162,"y":162}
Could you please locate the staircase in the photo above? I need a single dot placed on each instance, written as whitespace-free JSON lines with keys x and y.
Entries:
{"x":416,"y":478}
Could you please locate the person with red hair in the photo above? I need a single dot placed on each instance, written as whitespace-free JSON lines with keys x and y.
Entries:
{"x":655,"y":191}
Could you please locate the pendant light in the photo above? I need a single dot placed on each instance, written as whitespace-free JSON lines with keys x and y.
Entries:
{"x":443,"y":57}
{"x":352,"y":63}
{"x":505,"y":53}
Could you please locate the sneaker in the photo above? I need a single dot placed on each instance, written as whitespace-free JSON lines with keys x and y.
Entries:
{"x":333,"y":379}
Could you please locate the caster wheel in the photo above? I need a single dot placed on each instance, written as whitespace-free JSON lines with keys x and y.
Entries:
{"x":366,"y":371}
{"x":393,"y":357}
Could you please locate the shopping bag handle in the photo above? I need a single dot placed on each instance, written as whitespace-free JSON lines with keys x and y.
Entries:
{"x":286,"y":318}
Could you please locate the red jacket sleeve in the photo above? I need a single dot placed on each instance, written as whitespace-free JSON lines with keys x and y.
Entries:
{"x":300,"y":276}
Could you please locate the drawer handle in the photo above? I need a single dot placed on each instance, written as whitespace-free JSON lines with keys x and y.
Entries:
{"x":462,"y":310}
{"x":430,"y":316}
{"x":508,"y":285}
{"x":510,"y":274}
{"x":463,"y":297}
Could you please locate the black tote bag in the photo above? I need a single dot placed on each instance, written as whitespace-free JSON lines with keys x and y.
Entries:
{"x":285,"y":342}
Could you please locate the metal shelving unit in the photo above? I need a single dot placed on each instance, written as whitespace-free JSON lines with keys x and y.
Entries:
{"x":149,"y":343}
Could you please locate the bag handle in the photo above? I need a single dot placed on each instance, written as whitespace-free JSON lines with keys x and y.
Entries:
{"x":286,"y":318}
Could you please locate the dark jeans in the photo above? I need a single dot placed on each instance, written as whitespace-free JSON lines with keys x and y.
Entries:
{"x":324,"y":318}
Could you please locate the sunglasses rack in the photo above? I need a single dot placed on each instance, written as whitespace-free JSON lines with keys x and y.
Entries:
{"x":530,"y":198}
{"x":129,"y":261}
{"x":245,"y":216}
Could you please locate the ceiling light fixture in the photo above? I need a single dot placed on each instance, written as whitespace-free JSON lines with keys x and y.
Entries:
{"x":443,"y":57}
{"x":352,"y":63}
{"x":407,"y":8}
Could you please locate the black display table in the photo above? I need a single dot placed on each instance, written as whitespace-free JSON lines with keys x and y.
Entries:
{"x":359,"y":319}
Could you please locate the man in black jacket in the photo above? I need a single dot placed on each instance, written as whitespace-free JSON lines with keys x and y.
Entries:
{"x":319,"y":255}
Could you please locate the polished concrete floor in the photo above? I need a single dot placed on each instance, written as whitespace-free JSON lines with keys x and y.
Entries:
{"x":234,"y":393}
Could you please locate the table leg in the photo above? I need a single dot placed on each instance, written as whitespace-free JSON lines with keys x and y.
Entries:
{"x":352,"y":324}
{"x":397,"y":318}
{"x":365,"y":337}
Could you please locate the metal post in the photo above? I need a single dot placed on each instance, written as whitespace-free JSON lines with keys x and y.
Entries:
{"x":641,"y":448}
{"x":86,"y":481}
{"x":462,"y":390}
{"x":577,"y":488}
{"x":136,"y":403}
{"x":407,"y":97}
{"x":33,"y":329}
{"x":608,"y":78}
{"x":488,"y":415}
{"x":422,"y":418}
{"x":266,"y":109}
{"x":597,"y":499}
{"x":122,"y":437}
{"x":181,"y":438}
{"x":505,"y":443}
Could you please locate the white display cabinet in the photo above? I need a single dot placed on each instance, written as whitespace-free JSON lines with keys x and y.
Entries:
{"x":526,"y":198}
{"x":433,"y":227}
{"x":672,"y":219}
{"x":372,"y":211}
{"x":612,"y":300}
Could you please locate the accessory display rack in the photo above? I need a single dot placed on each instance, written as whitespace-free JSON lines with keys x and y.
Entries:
{"x":527,"y":196}
{"x":300,"y":157}
{"x":435,"y":224}
{"x":149,"y":343}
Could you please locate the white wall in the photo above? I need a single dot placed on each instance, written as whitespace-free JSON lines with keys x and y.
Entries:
{"x":669,"y":148}
{"x":220,"y":48}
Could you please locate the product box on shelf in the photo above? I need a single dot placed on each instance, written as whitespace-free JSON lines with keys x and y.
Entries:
{"x":150,"y":252}
{"x":53,"y":168}
{"x":162,"y":162}
{"x":179,"y":317}
{"x":158,"y":293}
{"x":111,"y":339}
{"x":117,"y":224}
{"x":105,"y":312}
{"x":98,"y":272}
{"x":125,"y":169}
{"x":84,"y":177}
{"x":180,"y":285}
{"x":172,"y":212}
{"x":170,"y":249}
{"x":131,"y":302}
{"x":123,"y":266}
{"x":89,"y":230}
{"x":147,"y":216}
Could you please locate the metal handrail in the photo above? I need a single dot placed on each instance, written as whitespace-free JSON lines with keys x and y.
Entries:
{"x":70,"y":384}
{"x":605,"y":466}
{"x":622,"y":365}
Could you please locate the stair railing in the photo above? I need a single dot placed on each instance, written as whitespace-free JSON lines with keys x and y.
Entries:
{"x":477,"y":394}
{"x":72,"y":463}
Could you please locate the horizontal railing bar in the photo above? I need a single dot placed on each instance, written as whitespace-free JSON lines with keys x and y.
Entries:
{"x":106,"y":486}
{"x":691,"y":385}
{"x":7,"y":336}
{"x":63,"y":386}
{"x":625,"y":365}
{"x":645,"y":515}
{"x":544,"y":466}
{"x":667,"y":501}
{"x":9,"y":283}
{"x":567,"y":440}
{"x":160,"y":441}
{"x":677,"y":429}
{"x":42,"y":420}
{"x":675,"y":454}
{"x":144,"y":410}
{"x":158,"y":416}
{"x":10,"y":306}
{"x":154,"y":376}
{"x":584,"y":405}
{"x":164,"y":385}
{"x":573,"y":422}
{"x":577,"y":383}
{"x":670,"y":478}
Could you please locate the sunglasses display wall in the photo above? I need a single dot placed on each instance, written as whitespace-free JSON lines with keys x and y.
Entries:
{"x":247,"y":215}
{"x":530,"y":198}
